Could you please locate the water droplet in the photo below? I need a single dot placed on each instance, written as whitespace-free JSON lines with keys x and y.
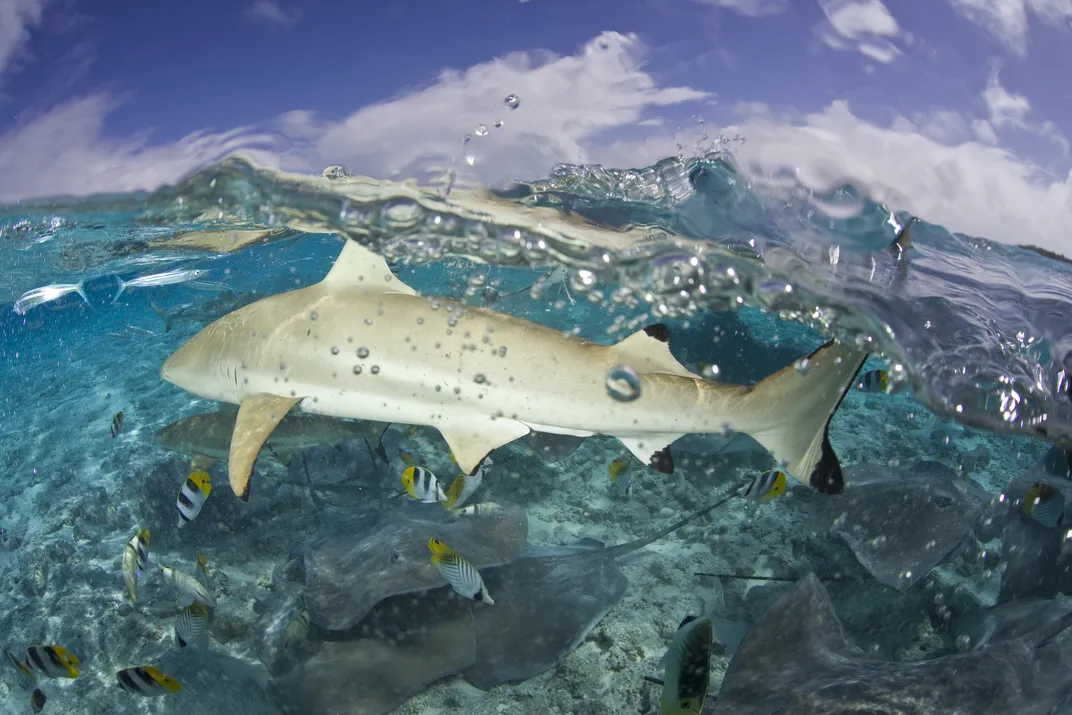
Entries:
{"x":511,"y":101}
{"x":481,"y":130}
{"x":502,"y":353}
{"x":499,"y":124}
{"x":357,"y":369}
{"x":470,"y":159}
{"x":710,"y":372}
{"x":314,"y":315}
{"x":802,"y":366}
{"x":479,"y":378}
{"x":362,"y":353}
{"x":964,"y":643}
{"x":334,"y":349}
{"x":623,"y":384}
{"x":375,"y":369}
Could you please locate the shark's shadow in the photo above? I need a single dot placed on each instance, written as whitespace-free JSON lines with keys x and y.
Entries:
{"x":798,"y":661}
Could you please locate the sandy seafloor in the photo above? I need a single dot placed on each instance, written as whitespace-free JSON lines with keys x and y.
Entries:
{"x":71,"y":497}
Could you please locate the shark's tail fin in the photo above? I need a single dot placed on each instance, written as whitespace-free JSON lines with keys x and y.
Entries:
{"x":794,"y":407}
{"x":122,"y":287}
{"x":163,"y":315}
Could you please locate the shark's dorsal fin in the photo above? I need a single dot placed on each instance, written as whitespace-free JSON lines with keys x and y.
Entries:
{"x":258,"y":415}
{"x":648,"y":351}
{"x":360,"y":267}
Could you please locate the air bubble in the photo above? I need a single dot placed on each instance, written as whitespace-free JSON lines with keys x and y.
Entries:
{"x":357,"y":369}
{"x":512,"y":101}
{"x":623,"y":384}
{"x":314,"y":315}
{"x":479,"y":378}
{"x":375,"y":369}
{"x":334,"y":349}
{"x":710,"y":372}
{"x":499,"y":124}
{"x":802,"y":366}
{"x":481,"y":130}
{"x":362,"y":353}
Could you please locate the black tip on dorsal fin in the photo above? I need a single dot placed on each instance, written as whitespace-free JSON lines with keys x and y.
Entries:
{"x":686,"y":619}
{"x":244,"y":496}
{"x":903,"y":240}
{"x":662,"y":461}
{"x":827,"y":478}
{"x":659,"y":331}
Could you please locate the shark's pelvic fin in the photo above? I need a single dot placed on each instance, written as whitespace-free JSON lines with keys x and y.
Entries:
{"x":648,"y":351}
{"x":653,"y":450}
{"x":471,"y":440}
{"x":257,"y":417}
{"x":802,"y":402}
{"x":360,"y":267}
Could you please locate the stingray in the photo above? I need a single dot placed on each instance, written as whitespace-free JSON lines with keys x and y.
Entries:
{"x":209,"y":434}
{"x":797,"y":660}
{"x":546,"y":602}
{"x":901,"y":523}
{"x":361,"y":561}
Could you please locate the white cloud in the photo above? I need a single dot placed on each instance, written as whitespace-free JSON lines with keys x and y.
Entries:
{"x":751,"y":8}
{"x":943,"y":166}
{"x":17,"y":18}
{"x":865,"y":26}
{"x":968,"y":187}
{"x":272,"y":11}
{"x":1008,"y":110}
{"x":1007,"y":20}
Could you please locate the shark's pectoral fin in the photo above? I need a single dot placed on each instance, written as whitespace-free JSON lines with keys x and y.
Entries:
{"x":653,"y":450}
{"x":470,"y":440}
{"x":258,"y":415}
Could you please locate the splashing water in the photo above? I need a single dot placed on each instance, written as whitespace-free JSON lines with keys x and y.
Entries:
{"x":979,"y":330}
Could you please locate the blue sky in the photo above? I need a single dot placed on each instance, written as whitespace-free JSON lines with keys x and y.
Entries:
{"x":957,"y":110}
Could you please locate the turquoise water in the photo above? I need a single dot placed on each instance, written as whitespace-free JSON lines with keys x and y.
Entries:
{"x":975,"y":336}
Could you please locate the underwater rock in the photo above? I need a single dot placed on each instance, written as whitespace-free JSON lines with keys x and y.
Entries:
{"x":372,"y":555}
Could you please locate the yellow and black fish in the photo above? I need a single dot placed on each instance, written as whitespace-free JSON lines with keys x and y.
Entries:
{"x":764,"y":487}
{"x":618,"y":471}
{"x":202,"y":563}
{"x":485,"y":508}
{"x":1044,"y":504}
{"x":37,"y":700}
{"x":464,"y":486}
{"x":21,"y":665}
{"x":52,"y":661}
{"x":147,"y":681}
{"x":135,"y":556}
{"x":459,"y":573}
{"x":191,"y":624}
{"x":117,"y":424}
{"x":192,"y":496}
{"x":687,"y":668}
{"x":877,"y":381}
{"x":421,"y":484}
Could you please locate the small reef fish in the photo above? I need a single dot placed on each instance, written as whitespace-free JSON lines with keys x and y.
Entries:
{"x":158,"y":279}
{"x":876,"y":381}
{"x":38,"y":700}
{"x":189,"y":585}
{"x":192,"y":496}
{"x":687,"y":666}
{"x":117,"y":424}
{"x":459,"y":573}
{"x":464,"y":486}
{"x":295,"y":631}
{"x":408,"y":459}
{"x":486,"y":508}
{"x":21,"y":665}
{"x":135,"y":556}
{"x":52,"y":661}
{"x":1044,"y":504}
{"x":421,"y":484}
{"x":764,"y":487}
{"x":618,"y":471}
{"x":191,"y":623}
{"x":47,"y":294}
{"x":202,"y":563}
{"x":147,"y":681}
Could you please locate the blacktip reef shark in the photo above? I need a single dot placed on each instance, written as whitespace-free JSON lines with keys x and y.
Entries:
{"x":362,"y":344}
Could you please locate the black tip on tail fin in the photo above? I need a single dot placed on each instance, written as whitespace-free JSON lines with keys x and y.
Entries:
{"x":827,"y":478}
{"x":659,"y":331}
{"x":662,"y":461}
